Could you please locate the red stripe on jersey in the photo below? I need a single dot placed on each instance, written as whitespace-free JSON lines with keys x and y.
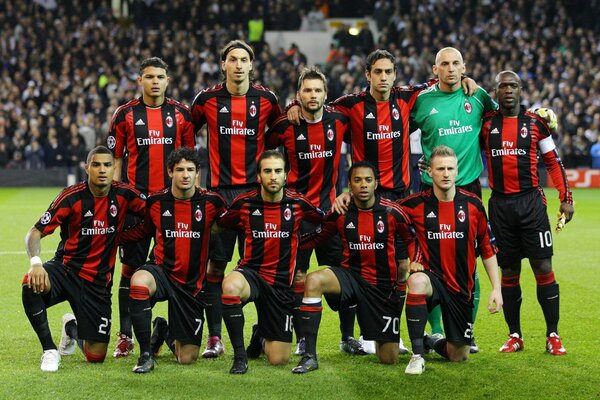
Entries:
{"x":366,"y":228}
{"x":156,"y":169}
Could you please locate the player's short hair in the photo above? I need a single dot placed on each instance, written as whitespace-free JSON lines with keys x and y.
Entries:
{"x":311,"y":73}
{"x":269,"y":154}
{"x":362,"y":164}
{"x":236,"y":44}
{"x":377,"y":55}
{"x":507,"y":72}
{"x":97,"y":150}
{"x":442,"y":151}
{"x":155,"y":62}
{"x":439,"y":53}
{"x":183,"y":153}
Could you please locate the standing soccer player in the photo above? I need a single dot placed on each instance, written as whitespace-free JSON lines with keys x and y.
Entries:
{"x":237,"y":113}
{"x":368,"y":276}
{"x":448,"y":223}
{"x":145,"y":131}
{"x":180,"y":219}
{"x":511,"y":138}
{"x":270,"y":218}
{"x":313,"y":151}
{"x":90,"y":216}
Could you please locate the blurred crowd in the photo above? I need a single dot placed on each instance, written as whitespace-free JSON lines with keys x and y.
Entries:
{"x":66,"y":65}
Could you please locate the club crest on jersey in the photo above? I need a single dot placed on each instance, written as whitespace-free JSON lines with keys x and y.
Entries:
{"x":461,"y":216}
{"x":45,"y":219}
{"x":395,"y":113}
{"x":330,"y":134}
{"x":198,"y":215}
{"x":252,"y":110}
{"x":468,"y":107}
{"x":380,"y":226}
{"x":169,"y":121}
{"x":287,"y":214}
{"x":111,"y":142}
{"x":524,"y":132}
{"x":113,"y":210}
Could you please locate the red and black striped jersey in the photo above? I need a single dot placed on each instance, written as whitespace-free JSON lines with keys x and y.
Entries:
{"x":380,"y":133}
{"x":271,"y":232}
{"x":181,"y":230}
{"x":370,"y":239}
{"x":313,"y":152}
{"x":89,"y":227}
{"x":236,"y":131}
{"x":511,"y":146}
{"x":146,"y":136}
{"x":448,"y":233}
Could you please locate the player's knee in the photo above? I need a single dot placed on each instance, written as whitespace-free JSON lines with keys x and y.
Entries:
{"x":93,"y":357}
{"x":187,"y":358}
{"x":141,"y":278}
{"x":313,"y":282}
{"x":460,"y":354}
{"x":541,"y":266}
{"x":417,"y":283}
{"x":277,"y":358}
{"x":232,"y":285}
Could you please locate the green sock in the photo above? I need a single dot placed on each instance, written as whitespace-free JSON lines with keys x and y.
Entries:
{"x":435,"y":320}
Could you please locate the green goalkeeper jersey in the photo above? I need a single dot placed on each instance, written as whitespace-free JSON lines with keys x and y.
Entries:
{"x":454,"y":120}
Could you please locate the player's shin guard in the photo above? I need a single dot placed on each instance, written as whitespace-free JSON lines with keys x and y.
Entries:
{"x":347,"y":317}
{"x":512,"y":296}
{"x":35,"y":309}
{"x":298,"y":288}
{"x":124,"y":312}
{"x":435,"y":320}
{"x":416,"y":319}
{"x":548,"y":295}
{"x":476,"y":296}
{"x":214,"y":307}
{"x":233,"y":316}
{"x":141,"y":316}
{"x":310,"y":311}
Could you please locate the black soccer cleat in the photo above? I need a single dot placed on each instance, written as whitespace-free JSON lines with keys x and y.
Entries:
{"x":240,"y":366}
{"x":144,"y":364}
{"x":160,"y":330}
{"x":307,"y":363}
{"x":254,"y":349}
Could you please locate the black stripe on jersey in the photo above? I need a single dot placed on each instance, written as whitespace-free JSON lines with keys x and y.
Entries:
{"x":285,"y":244}
{"x":330,"y":145}
{"x":432,"y":224}
{"x":462,"y":245}
{"x":111,"y":221}
{"x":167,"y":222}
{"x":223,"y":119}
{"x":495,"y":142}
{"x":257,"y":223}
{"x":302,"y":146}
{"x":352,"y":236}
{"x":397,"y":146}
{"x":380,"y":214}
{"x":523,"y":163}
{"x":370,"y":125}
{"x":141,"y":131}
{"x":195,"y":252}
{"x":251,"y":143}
{"x":84,"y":243}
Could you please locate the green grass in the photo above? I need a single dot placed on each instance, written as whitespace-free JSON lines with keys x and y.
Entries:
{"x":530,"y":374}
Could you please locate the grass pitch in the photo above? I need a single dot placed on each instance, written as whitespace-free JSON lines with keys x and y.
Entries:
{"x":530,"y":374}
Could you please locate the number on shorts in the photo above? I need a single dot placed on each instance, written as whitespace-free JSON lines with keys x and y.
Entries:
{"x":394,"y":322}
{"x":545,"y":239}
{"x":199,"y":321}
{"x":469,"y":331}
{"x":289,"y":323}
{"x":102,"y":327}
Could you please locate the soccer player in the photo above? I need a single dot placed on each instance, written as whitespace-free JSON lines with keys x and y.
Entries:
{"x":237,"y":113}
{"x":180,"y":219}
{"x":511,"y":138}
{"x":270,"y":218}
{"x":448,"y":222}
{"x":90,"y":216}
{"x":368,"y":276}
{"x":144,"y":132}
{"x":313,"y":151}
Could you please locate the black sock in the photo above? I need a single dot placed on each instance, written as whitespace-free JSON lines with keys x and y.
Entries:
{"x":549,"y":299}
{"x":213,"y":308}
{"x":440,"y":347}
{"x":416,"y":319}
{"x":73,"y":333}
{"x":141,"y":317}
{"x":124,"y":312}
{"x":347,"y":316}
{"x":512,"y":308}
{"x":297,"y":315}
{"x":35,"y":309}
{"x":311,"y":318}
{"x":233,"y":316}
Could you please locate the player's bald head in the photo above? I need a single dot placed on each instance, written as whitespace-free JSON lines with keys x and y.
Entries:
{"x":446,"y":50}
{"x":507,"y":73}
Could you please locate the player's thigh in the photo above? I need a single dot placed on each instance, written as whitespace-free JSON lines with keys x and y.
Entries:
{"x":186,"y":315}
{"x":324,"y":281}
{"x":236,"y":283}
{"x":387,"y":352}
{"x":504,"y":221}
{"x":378,"y":313}
{"x":274,"y":308}
{"x":186,"y":353}
{"x":93,"y":313}
{"x":342,"y":290}
{"x":535,"y":227}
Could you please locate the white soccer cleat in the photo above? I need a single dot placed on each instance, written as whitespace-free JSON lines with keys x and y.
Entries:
{"x":67,"y":345}
{"x":402,"y":347}
{"x":50,"y":361}
{"x":367,"y":345}
{"x":416,"y":365}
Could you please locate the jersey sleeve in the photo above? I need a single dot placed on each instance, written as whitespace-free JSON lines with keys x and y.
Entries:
{"x":231,"y":217}
{"x":275,"y":135}
{"x":485,"y":237}
{"x":322,"y":233}
{"x":406,"y":234}
{"x":553,"y":162}
{"x":198,"y":113}
{"x":116,"y":140}
{"x":58,"y":212}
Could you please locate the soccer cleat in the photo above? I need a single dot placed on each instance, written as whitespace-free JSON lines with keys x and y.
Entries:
{"x":124,"y":346}
{"x":160,"y":328}
{"x":240,"y":366}
{"x":352,"y":346}
{"x":307,"y":363}
{"x":214,"y":348}
{"x":402,"y":347}
{"x":554,"y":345}
{"x":50,"y":360}
{"x":367,"y":345}
{"x":67,"y":345}
{"x":416,"y":365}
{"x":300,"y":347}
{"x":430,"y":340}
{"x":474,"y":348}
{"x":513,"y":344}
{"x":144,"y":364}
{"x":255,"y":348}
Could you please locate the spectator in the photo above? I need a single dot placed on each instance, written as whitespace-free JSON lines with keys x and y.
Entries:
{"x":595,"y":153}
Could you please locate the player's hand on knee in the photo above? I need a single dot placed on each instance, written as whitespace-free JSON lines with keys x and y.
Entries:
{"x":37,"y":278}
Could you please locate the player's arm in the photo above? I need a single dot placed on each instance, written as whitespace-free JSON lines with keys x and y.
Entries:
{"x":491,"y":268}
{"x":559,"y":178}
{"x":37,"y":279}
{"x":341,"y":203}
{"x":321,"y":234}
{"x":118,"y":166}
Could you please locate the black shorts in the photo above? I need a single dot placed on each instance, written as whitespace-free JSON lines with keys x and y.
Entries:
{"x":521,"y":226}
{"x":329,"y":254}
{"x":134,"y":254}
{"x":378,"y":312}
{"x":186,"y":311}
{"x":274,"y":307}
{"x":222,"y":244}
{"x":90,"y":302}
{"x":457,"y":313}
